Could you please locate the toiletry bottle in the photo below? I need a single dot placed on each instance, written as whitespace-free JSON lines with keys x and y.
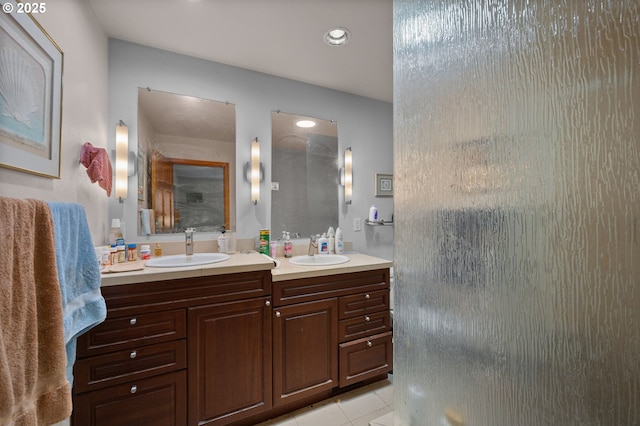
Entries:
{"x":288,"y":246}
{"x":331,"y":240}
{"x":115,"y":233}
{"x":222,"y":241}
{"x":373,"y":213}
{"x":323,"y":244}
{"x":339,"y":241}
{"x":158,"y":251}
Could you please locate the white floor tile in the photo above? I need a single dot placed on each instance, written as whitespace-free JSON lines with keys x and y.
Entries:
{"x":357,"y":406}
{"x":385,"y":420}
{"x":326,"y":415}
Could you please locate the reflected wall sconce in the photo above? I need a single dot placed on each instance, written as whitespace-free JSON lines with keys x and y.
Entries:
{"x":346,"y":175}
{"x":122,"y":160}
{"x":254,"y":171}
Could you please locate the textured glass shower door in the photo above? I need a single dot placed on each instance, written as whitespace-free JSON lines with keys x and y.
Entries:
{"x":517,"y":212}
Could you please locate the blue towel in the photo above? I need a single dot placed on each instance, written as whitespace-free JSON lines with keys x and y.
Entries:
{"x":79,"y":275}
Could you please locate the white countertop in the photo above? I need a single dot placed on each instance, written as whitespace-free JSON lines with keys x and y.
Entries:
{"x":238,"y":262}
{"x":357,"y":263}
{"x":246,"y":262}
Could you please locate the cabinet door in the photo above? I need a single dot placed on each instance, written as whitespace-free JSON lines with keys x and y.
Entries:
{"x":158,"y":401}
{"x":229,"y":361}
{"x":305,"y":339}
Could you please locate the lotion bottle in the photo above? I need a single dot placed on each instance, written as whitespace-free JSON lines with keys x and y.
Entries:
{"x":323,"y":245}
{"x":339,"y":241}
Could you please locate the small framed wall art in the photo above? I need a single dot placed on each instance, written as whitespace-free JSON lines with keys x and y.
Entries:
{"x":30,"y":93}
{"x":384,"y":185}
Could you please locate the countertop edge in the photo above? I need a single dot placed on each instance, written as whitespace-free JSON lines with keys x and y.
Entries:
{"x":248,"y":263}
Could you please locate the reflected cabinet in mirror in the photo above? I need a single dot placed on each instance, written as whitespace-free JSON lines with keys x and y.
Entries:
{"x":188,"y":145}
{"x":305,"y":169}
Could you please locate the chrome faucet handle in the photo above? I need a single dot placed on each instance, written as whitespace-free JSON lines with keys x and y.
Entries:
{"x":188,"y":240}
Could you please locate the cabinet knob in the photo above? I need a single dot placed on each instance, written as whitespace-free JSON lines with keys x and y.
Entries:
{"x":267,"y":303}
{"x":278,"y":314}
{"x":369,"y":344}
{"x":133,"y":354}
{"x":133,"y":321}
{"x":367,"y":318}
{"x":367,"y":296}
{"x":133,"y":389}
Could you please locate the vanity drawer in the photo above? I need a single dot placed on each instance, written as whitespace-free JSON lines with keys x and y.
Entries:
{"x":157,"y":400}
{"x":363,"y":303}
{"x":365,"y":358}
{"x":364,"y":325}
{"x":129,"y":364}
{"x":132,"y":331}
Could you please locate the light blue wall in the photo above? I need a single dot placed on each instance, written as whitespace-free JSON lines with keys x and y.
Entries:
{"x":364,"y":124}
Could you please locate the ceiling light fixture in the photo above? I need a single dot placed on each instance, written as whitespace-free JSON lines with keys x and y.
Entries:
{"x":337,"y":36}
{"x":305,"y":123}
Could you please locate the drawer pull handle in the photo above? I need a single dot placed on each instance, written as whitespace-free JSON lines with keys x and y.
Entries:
{"x":278,"y":314}
{"x":133,"y":321}
{"x":133,"y":354}
{"x":267,"y":303}
{"x":133,"y":389}
{"x":367,"y":296}
{"x":369,"y":344}
{"x":367,"y":318}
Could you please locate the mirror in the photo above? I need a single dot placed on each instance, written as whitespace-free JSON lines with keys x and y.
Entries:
{"x":186,"y":156}
{"x":304,"y":172}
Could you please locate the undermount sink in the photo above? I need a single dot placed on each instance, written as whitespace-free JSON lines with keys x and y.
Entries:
{"x":178,"y":260}
{"x":319,"y":260}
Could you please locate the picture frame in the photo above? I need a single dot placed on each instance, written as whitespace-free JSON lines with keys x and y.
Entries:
{"x":30,"y":94}
{"x":384,"y":185}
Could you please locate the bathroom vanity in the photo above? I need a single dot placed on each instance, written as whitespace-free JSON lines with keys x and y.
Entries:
{"x":235,"y":342}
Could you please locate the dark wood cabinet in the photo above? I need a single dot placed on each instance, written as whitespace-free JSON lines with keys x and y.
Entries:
{"x":305,"y":339}
{"x":233,"y":349}
{"x":229,"y":361}
{"x":322,"y":322}
{"x":207,"y":338}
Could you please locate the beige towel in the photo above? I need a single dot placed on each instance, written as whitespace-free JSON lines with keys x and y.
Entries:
{"x":33,"y":386}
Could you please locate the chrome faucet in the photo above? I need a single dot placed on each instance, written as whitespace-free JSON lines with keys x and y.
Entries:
{"x":188,"y":241}
{"x":313,"y":245}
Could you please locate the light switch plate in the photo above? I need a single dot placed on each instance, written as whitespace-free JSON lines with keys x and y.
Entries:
{"x":357,"y":224}
{"x":275,"y":186}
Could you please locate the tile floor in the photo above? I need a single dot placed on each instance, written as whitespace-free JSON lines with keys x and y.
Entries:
{"x":369,"y":405}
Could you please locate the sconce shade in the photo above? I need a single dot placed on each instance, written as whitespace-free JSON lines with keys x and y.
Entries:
{"x":122,"y":160}
{"x":348,"y":175}
{"x":255,"y":171}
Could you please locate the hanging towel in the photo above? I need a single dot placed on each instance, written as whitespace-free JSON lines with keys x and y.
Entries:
{"x":145,"y":221}
{"x":33,"y":387}
{"x":79,"y":275}
{"x":96,"y":160}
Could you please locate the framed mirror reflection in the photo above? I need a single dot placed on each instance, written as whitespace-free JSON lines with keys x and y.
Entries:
{"x":189,"y":146}
{"x":304,"y":172}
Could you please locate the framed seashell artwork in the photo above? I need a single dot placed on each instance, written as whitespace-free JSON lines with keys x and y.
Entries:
{"x":30,"y":93}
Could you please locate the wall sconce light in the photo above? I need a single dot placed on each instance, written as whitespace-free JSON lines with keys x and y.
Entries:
{"x":122,"y":160}
{"x":348,"y":175}
{"x":255,"y":171}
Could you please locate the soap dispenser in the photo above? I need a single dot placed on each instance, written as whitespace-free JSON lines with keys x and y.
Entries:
{"x":331,"y":240}
{"x":288,"y":246}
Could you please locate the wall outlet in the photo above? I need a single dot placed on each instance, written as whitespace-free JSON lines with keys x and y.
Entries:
{"x":357,"y":224}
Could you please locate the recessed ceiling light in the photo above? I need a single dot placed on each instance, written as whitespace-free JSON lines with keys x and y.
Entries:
{"x":337,"y":36}
{"x":305,"y":123}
